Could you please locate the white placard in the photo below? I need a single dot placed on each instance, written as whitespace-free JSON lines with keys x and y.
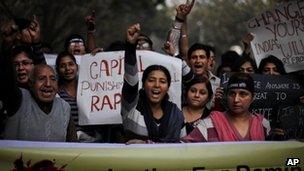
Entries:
{"x":280,"y":32}
{"x":101,"y":80}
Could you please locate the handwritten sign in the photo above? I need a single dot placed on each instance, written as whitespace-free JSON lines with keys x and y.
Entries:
{"x":101,"y":80}
{"x":291,"y":120}
{"x":280,"y":32}
{"x":273,"y":91}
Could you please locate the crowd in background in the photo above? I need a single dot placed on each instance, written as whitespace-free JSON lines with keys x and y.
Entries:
{"x":38,"y":103}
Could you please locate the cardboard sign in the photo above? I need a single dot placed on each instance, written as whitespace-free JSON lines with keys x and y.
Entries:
{"x":273,"y":91}
{"x":290,"y":118}
{"x":101,"y":80}
{"x":280,"y":32}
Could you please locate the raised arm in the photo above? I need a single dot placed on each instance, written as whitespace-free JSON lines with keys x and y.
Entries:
{"x":91,"y":23}
{"x":130,"y":86}
{"x":71,"y":132}
{"x":34,"y":31}
{"x":177,"y":38}
{"x":246,"y":43}
{"x":91,"y":38}
{"x":184,"y":40}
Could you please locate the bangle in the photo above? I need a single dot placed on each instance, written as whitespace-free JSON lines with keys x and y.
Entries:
{"x":177,"y":25}
{"x":179,"y":19}
{"x":184,"y":36}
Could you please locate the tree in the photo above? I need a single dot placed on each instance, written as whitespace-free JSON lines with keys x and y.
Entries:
{"x":62,"y":18}
{"x":223,"y":23}
{"x":217,"y":22}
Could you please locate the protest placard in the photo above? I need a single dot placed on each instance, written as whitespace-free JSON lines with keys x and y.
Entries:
{"x":101,"y":80}
{"x":272,"y":91}
{"x":280,"y":32}
{"x":290,"y":118}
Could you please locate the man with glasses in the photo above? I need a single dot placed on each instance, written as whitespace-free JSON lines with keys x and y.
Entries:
{"x":23,"y":63}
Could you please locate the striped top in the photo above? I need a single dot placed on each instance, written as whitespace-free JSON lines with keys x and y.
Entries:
{"x":73,"y":103}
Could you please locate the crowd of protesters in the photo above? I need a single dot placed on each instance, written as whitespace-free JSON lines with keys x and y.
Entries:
{"x":39,"y":103}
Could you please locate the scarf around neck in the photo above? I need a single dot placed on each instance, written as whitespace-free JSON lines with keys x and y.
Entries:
{"x":159,"y":132}
{"x":226,"y":131}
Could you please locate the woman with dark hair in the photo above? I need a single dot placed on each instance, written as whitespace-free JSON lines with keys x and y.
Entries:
{"x":271,"y":65}
{"x":238,"y":123}
{"x":67,"y":70}
{"x":245,"y":65}
{"x":146,"y":113}
{"x":198,"y":94}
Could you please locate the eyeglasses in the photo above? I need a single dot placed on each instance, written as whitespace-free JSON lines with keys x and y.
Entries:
{"x":78,"y":43}
{"x":144,"y":45}
{"x":22,"y":63}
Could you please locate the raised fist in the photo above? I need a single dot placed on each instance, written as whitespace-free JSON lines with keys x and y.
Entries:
{"x":133,"y":33}
{"x":90,"y":21}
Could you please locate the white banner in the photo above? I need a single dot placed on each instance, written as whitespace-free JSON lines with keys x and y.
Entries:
{"x":280,"y":32}
{"x":101,"y":80}
{"x":240,"y":156}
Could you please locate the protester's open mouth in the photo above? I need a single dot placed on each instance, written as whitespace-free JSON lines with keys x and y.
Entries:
{"x":198,"y":66}
{"x":47,"y":92}
{"x":22,"y":76}
{"x":77,"y":51}
{"x":155,"y":92}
